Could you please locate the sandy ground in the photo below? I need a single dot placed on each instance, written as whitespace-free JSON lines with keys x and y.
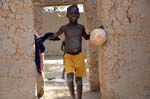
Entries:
{"x":57,"y":88}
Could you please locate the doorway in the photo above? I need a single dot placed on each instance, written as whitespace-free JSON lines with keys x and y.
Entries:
{"x":55,"y":88}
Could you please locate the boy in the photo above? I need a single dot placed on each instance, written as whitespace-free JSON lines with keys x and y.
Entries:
{"x":74,"y":60}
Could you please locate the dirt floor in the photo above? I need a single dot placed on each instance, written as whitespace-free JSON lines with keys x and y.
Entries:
{"x":57,"y":88}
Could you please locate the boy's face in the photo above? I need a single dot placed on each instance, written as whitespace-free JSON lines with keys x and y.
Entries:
{"x":73,"y":14}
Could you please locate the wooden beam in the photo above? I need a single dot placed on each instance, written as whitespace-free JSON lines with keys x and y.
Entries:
{"x":57,"y":2}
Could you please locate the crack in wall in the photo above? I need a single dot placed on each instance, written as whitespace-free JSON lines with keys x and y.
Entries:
{"x":129,"y":17}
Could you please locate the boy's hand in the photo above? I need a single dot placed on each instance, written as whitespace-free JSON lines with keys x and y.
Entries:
{"x":49,"y":36}
{"x":55,"y":39}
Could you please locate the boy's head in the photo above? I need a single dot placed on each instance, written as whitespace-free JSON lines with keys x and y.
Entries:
{"x":73,"y":13}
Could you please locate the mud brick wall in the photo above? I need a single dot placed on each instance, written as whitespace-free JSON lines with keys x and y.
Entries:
{"x":38,"y":19}
{"x":125,"y":67}
{"x":17,"y":69}
{"x":90,"y":7}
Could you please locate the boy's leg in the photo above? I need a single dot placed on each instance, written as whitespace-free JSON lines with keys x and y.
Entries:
{"x":70,"y":83}
{"x":80,"y":71}
{"x":63,"y":73}
{"x":79,"y":87}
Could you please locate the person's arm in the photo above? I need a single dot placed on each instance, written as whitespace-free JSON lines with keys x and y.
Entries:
{"x":59,"y":32}
{"x":46,"y":36}
{"x":85,"y":35}
{"x":62,"y":45}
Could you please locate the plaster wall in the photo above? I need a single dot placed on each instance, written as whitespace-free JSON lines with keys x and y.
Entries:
{"x":92,"y":22}
{"x":17,"y":76}
{"x":125,"y":59}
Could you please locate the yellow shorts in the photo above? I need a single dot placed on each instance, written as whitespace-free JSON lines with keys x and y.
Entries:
{"x":75,"y":64}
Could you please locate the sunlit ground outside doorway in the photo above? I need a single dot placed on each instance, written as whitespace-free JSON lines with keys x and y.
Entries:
{"x":55,"y":89}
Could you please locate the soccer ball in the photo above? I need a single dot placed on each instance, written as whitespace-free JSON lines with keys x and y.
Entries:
{"x":98,"y":36}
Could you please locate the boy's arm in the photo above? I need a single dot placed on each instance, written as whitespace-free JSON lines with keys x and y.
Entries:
{"x":45,"y":36}
{"x":62,"y":45}
{"x":85,"y":35}
{"x":59,"y":32}
{"x":48,"y":35}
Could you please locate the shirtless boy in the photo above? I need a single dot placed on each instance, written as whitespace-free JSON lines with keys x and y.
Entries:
{"x":74,"y":60}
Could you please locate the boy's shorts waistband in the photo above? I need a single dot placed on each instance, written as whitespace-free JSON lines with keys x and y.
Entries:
{"x":73,"y":53}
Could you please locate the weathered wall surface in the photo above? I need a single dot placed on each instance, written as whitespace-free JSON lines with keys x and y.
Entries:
{"x":17,"y":75}
{"x":125,"y":67}
{"x":38,"y":19}
{"x":90,"y":7}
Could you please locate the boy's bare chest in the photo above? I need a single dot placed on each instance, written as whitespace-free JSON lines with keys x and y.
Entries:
{"x":74,"y":32}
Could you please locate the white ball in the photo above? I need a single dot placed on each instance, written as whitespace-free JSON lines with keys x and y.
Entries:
{"x":98,"y":36}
